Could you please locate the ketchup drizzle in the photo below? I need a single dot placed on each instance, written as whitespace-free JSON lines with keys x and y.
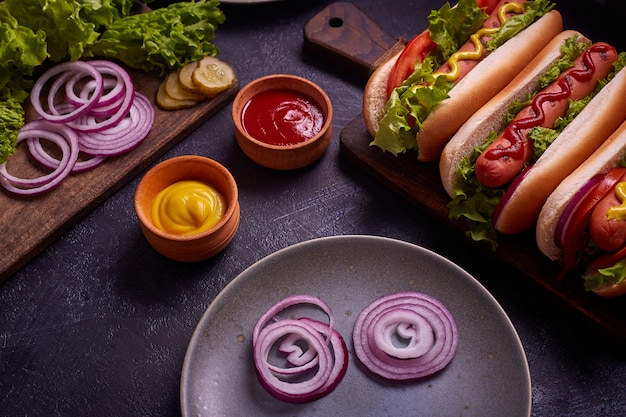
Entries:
{"x":513,"y":132}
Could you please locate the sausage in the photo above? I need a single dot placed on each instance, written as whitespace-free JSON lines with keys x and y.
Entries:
{"x":511,"y":150}
{"x":609,"y":234}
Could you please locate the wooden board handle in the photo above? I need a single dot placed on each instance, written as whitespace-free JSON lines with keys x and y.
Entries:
{"x":347,"y":37}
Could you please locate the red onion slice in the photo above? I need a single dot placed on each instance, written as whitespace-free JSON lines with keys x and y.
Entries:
{"x":564,"y":220}
{"x":87,"y":122}
{"x":113,"y":87}
{"x":405,"y":336}
{"x":100,"y":115}
{"x":63,"y":137}
{"x":126,"y":135}
{"x":63,"y":70}
{"x":48,"y":161}
{"x":298,"y":360}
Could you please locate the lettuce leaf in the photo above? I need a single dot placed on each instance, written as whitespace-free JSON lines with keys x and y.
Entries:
{"x":533,"y":10}
{"x":164,"y":39}
{"x":11,"y":120}
{"x":70,"y":25}
{"x":450,"y":27}
{"x":615,"y":274}
{"x":408,"y":106}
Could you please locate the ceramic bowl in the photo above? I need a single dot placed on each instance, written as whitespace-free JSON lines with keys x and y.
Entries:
{"x":283,"y":157}
{"x":200,"y":246}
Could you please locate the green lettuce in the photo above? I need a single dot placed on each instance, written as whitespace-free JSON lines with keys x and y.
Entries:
{"x":164,"y":39}
{"x":11,"y":120}
{"x":615,"y":274}
{"x":449,"y":27}
{"x":532,"y":11}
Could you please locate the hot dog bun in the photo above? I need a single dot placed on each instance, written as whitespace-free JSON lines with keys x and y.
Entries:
{"x":492,"y":74}
{"x":490,"y":117}
{"x":375,"y":94}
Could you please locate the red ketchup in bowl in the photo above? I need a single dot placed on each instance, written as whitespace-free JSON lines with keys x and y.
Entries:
{"x":282,"y":117}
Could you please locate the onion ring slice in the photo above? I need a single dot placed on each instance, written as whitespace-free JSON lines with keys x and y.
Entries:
{"x":61,"y":135}
{"x":64,"y":69}
{"x":405,"y":336}
{"x":298,"y":360}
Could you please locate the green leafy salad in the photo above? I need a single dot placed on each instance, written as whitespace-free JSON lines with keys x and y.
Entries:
{"x":449,"y":27}
{"x":34,"y":33}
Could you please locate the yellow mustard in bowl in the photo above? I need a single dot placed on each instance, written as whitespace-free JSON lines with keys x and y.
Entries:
{"x":187,"y":208}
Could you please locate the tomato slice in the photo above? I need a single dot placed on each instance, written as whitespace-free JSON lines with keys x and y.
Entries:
{"x":575,"y":238}
{"x":418,"y":48}
{"x":415,"y":50}
{"x":608,"y":259}
{"x":489,"y":5}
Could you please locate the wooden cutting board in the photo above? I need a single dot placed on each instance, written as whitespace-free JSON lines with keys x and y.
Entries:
{"x":333,"y":34}
{"x":30,"y":224}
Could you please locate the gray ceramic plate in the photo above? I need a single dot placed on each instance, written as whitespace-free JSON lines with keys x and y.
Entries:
{"x":488,"y":376}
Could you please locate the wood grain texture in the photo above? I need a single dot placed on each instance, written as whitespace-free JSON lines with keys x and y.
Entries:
{"x":346,"y":36}
{"x":419,"y":183}
{"x":30,"y":224}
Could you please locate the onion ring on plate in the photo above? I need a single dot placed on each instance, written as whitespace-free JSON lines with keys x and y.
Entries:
{"x":298,"y":360}
{"x":64,"y":137}
{"x":405,"y":336}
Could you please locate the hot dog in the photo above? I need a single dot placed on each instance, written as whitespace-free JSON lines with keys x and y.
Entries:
{"x":582,"y":223}
{"x":504,"y":162}
{"x":421,"y":96}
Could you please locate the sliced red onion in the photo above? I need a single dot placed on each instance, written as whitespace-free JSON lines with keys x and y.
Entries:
{"x":405,"y":336}
{"x":509,"y":192}
{"x":65,"y":138}
{"x":126,"y":135}
{"x":87,"y":122}
{"x":48,"y":161}
{"x":63,"y":70}
{"x":113,"y":87}
{"x":90,"y":121}
{"x":564,"y":220}
{"x":312,"y":354}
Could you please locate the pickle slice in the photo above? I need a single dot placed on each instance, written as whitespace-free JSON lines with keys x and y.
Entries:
{"x":185,"y":79}
{"x":212,"y":76}
{"x":166,"y":102}
{"x":175,"y":90}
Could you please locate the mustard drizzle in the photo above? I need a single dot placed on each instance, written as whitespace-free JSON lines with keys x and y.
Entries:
{"x":477,"y":53}
{"x":618,"y":212}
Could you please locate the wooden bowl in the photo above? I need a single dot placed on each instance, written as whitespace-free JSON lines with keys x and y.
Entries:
{"x":199,"y":246}
{"x":283,"y":157}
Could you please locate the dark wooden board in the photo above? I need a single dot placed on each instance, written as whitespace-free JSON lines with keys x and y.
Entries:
{"x":30,"y":224}
{"x":420,"y":184}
